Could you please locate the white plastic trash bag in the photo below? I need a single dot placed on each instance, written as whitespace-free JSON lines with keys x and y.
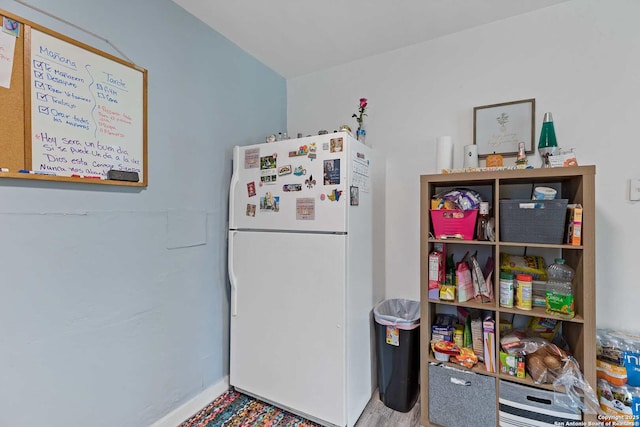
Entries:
{"x":401,"y":313}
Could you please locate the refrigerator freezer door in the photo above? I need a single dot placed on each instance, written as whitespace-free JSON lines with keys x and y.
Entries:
{"x":298,"y":184}
{"x":288,"y":330}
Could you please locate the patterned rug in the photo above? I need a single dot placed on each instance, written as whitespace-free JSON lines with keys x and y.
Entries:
{"x":233,"y":409}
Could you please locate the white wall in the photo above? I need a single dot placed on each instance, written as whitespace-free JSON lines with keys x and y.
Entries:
{"x":114,"y":301}
{"x":580,"y":60}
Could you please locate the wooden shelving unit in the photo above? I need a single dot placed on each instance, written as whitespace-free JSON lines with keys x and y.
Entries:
{"x":577,"y":184}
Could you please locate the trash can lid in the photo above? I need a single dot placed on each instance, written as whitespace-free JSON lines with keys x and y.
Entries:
{"x":401,"y":313}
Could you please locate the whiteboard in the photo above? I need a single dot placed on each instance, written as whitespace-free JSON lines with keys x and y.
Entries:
{"x":87,"y":111}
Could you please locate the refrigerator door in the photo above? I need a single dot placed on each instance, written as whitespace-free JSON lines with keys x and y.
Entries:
{"x":288,"y":324}
{"x":297,"y":184}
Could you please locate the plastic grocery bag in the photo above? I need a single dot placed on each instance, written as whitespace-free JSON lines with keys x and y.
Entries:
{"x":572,"y":383}
{"x":401,"y":313}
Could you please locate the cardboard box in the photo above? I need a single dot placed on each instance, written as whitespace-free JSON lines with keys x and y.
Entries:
{"x":574,"y":225}
{"x":442,"y":333}
{"x":489,"y":334}
{"x":436,"y":266}
{"x":563,"y":160}
{"x":512,"y":365}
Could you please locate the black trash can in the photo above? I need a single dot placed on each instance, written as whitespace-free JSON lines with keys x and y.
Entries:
{"x":397,"y":330}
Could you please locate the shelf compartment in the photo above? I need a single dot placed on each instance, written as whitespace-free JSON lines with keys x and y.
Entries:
{"x":540,"y":312}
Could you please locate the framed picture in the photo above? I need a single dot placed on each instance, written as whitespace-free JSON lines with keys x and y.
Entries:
{"x":499,"y":128}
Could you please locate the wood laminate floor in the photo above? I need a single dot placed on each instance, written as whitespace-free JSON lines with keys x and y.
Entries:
{"x":376,"y":414}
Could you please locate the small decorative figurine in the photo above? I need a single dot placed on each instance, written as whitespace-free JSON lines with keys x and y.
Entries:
{"x":522,"y":156}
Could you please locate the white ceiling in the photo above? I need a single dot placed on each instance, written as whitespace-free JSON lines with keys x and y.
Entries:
{"x":296,"y":37}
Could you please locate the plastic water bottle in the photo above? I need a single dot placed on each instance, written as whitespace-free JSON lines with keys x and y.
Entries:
{"x":559,"y":294}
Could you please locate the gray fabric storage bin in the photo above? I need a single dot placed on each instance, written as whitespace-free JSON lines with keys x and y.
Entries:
{"x":533,"y":221}
{"x":523,"y":406}
{"x":461,"y":398}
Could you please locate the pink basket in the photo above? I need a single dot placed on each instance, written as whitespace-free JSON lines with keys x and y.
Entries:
{"x":448,"y":223}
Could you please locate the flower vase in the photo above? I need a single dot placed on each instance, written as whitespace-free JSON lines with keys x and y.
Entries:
{"x":361,"y":133}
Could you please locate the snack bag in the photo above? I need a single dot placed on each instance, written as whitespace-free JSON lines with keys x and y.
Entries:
{"x":528,"y":264}
{"x":465,"y":282}
{"x":483,"y":288}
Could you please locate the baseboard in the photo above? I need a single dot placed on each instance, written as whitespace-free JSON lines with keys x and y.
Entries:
{"x":182,"y":413}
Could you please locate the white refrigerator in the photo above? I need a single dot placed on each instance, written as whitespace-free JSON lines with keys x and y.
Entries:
{"x":300,"y":268}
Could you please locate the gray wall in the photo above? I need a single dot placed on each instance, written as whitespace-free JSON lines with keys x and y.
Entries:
{"x":114,"y":301}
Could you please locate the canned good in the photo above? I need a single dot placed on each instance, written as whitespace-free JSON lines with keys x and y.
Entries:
{"x":524,"y":293}
{"x":458,"y":336}
{"x":506,"y":289}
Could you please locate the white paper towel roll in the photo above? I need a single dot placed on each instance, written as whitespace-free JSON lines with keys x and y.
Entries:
{"x":444,"y":153}
{"x":470,"y":156}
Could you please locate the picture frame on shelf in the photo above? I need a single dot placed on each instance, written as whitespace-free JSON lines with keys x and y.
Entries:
{"x":499,"y":128}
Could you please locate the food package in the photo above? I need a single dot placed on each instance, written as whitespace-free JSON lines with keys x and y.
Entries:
{"x":458,"y":198}
{"x":539,"y":293}
{"x":464,"y":281}
{"x":482,"y":280}
{"x":543,"y":359}
{"x":512,"y":365}
{"x":621,"y":404}
{"x":448,"y":292}
{"x":527,"y":264}
{"x":466,"y":358}
{"x":505,"y":324}
{"x":443,"y":350}
{"x":614,"y":374}
{"x":545,"y":364}
{"x":543,"y":327}
{"x":574,"y":224}
{"x":477,"y":337}
{"x":436,"y":264}
{"x":443,"y":327}
{"x":489,"y":335}
{"x":618,"y":357}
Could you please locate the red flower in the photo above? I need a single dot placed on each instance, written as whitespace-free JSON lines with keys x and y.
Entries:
{"x":360,"y":116}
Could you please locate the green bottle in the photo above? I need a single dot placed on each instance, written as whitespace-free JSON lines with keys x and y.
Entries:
{"x":548,"y":144}
{"x":450,"y":271}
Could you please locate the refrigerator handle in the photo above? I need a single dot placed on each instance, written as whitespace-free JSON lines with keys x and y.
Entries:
{"x":232,"y":275}
{"x":232,"y":187}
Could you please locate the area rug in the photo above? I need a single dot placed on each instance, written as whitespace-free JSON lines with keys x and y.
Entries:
{"x":233,"y":409}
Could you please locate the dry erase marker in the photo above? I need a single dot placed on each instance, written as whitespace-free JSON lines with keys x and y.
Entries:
{"x":35,"y":172}
{"x":86,"y":176}
{"x":4,"y":169}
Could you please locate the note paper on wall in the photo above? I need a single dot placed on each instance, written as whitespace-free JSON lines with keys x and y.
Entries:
{"x":86,"y":111}
{"x":7,"y":47}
